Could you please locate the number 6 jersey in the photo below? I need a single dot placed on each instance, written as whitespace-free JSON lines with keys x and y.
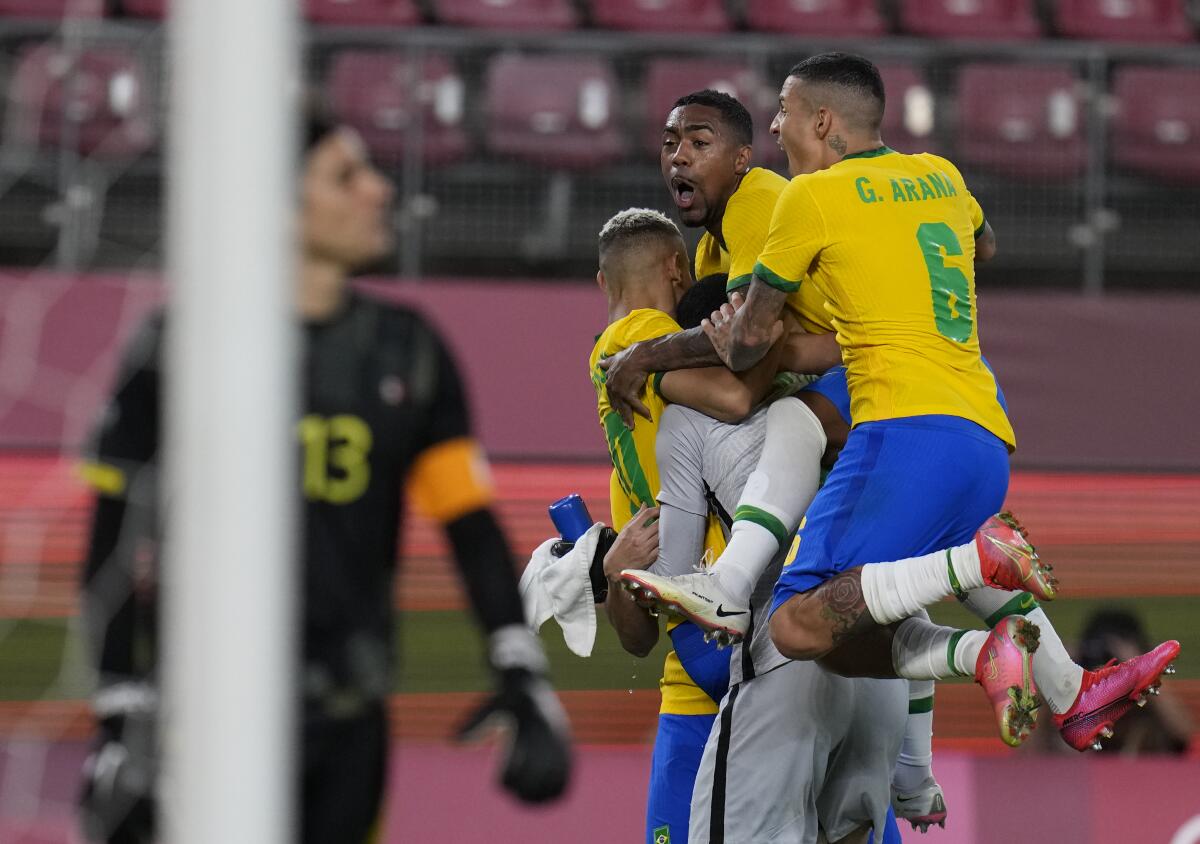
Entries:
{"x":889,"y":241}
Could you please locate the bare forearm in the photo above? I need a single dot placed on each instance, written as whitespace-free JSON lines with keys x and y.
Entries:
{"x":636,"y":629}
{"x":756,"y":325}
{"x":689,"y":349}
{"x":810,"y":354}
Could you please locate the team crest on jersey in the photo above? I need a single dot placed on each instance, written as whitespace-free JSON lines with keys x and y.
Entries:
{"x":662,"y":835}
{"x":391,"y":390}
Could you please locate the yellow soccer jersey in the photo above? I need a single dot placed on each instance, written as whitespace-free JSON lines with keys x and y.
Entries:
{"x":634,"y":480}
{"x":888,"y":241}
{"x":744,"y":227}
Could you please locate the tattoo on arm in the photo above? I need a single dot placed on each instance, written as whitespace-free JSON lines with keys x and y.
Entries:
{"x":843,"y":606}
{"x":754,"y":323}
{"x":689,"y":349}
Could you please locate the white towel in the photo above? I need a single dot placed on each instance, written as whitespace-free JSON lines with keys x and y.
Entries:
{"x":561,"y":587}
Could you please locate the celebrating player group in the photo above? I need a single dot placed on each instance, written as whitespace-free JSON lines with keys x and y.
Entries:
{"x":835,"y":327}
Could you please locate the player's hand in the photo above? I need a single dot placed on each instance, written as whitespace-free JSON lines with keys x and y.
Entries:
{"x":117,"y":800}
{"x":719,"y":328}
{"x":636,"y":546}
{"x":625,"y":378}
{"x":537,"y":761}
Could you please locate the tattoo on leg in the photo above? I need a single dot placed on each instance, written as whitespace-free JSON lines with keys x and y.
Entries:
{"x":843,"y":606}
{"x":837,"y":143}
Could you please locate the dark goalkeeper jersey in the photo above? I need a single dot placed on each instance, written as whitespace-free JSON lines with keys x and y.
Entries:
{"x":384,"y":415}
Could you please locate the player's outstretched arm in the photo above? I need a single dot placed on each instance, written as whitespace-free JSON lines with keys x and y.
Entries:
{"x":625,"y":373}
{"x":743,"y":331}
{"x":985,"y":244}
{"x":636,"y":547}
{"x":717,"y":392}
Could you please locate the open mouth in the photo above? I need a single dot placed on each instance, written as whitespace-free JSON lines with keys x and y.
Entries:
{"x":684,"y":192}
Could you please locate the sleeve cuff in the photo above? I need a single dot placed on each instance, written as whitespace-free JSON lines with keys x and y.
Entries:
{"x":979,"y":230}
{"x":774,"y":280}
{"x":656,"y":382}
{"x":738,"y":282}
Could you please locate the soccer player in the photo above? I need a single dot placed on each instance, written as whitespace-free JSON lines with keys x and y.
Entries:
{"x":796,"y":749}
{"x":643,"y":273}
{"x":384,"y":414}
{"x":1082,"y":711}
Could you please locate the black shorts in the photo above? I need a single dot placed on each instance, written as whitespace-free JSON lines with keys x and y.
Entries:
{"x":344,"y":769}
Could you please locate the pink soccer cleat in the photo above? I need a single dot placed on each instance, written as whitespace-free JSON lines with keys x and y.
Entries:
{"x":1008,"y":561}
{"x":1005,"y":670}
{"x":1110,"y":692}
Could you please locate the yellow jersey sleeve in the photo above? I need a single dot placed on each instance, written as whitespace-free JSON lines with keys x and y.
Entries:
{"x":711,"y":259}
{"x":797,"y":234}
{"x":747,"y":220}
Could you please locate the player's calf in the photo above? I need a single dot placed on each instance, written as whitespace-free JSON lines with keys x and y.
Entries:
{"x":811,"y":624}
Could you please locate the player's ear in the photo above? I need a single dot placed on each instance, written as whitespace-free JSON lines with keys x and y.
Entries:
{"x":824,"y":122}
{"x":601,"y":281}
{"x":741,"y":162}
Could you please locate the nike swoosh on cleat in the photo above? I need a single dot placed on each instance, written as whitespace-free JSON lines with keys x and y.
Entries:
{"x":722,"y":614}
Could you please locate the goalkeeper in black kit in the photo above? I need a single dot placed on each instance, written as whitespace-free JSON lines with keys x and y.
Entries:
{"x":384,"y":416}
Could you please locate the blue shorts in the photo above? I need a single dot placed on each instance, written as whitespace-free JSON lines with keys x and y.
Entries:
{"x":900,"y":488}
{"x":704,"y":662}
{"x":832,"y":385}
{"x":678,"y":746}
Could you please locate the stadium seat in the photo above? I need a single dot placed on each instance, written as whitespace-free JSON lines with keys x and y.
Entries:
{"x":979,"y":19}
{"x":1023,"y":120}
{"x":1124,"y":20}
{"x":669,"y":79}
{"x":559,"y":112}
{"x":52,"y":8}
{"x":815,"y":17}
{"x":108,"y":102}
{"x":507,"y":14}
{"x":145,"y":8}
{"x":363,"y":12}
{"x":661,"y":15}
{"x":1156,"y":129}
{"x":381,"y":95}
{"x":908,"y":120}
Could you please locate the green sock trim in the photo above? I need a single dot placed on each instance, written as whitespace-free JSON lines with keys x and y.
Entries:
{"x":1022,"y":604}
{"x":954,"y":637}
{"x":919,"y":705}
{"x":748,"y":513}
{"x":959,"y":592}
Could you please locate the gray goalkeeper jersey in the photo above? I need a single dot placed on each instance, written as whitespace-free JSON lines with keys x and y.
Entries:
{"x":697,"y":454}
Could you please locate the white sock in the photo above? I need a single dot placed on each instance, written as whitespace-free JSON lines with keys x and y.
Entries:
{"x":776,"y":495}
{"x":1058,"y":677}
{"x":899,"y":589}
{"x":916,"y":748}
{"x":922,"y":650}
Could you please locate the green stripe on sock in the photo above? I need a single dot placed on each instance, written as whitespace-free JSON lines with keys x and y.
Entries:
{"x":764,"y":519}
{"x":919,"y":705}
{"x":959,"y":592}
{"x":954,"y":637}
{"x":1022,"y":604}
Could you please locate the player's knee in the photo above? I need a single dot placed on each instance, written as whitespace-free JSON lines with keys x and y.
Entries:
{"x":793,"y":636}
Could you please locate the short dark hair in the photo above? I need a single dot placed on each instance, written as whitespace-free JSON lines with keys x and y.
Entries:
{"x":856,"y":75}
{"x":700,"y":300}
{"x":733,"y":114}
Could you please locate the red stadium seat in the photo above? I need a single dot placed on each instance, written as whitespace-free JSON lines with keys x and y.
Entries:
{"x":1156,"y":129}
{"x":145,"y":8}
{"x":507,"y":14}
{"x":669,"y":79}
{"x":908,"y":120}
{"x":661,"y":15}
{"x":559,"y":112}
{"x":52,"y":8}
{"x":108,"y":101}
{"x":1023,"y":120}
{"x":981,"y":19}
{"x":382,"y":94}
{"x":815,"y":17}
{"x":1124,"y":20}
{"x":363,"y":12}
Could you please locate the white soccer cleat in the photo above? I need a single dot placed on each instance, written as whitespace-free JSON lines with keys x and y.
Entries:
{"x":923,"y":807}
{"x":697,"y":597}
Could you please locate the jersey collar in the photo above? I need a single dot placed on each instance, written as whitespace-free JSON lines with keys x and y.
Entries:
{"x":871,"y":153}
